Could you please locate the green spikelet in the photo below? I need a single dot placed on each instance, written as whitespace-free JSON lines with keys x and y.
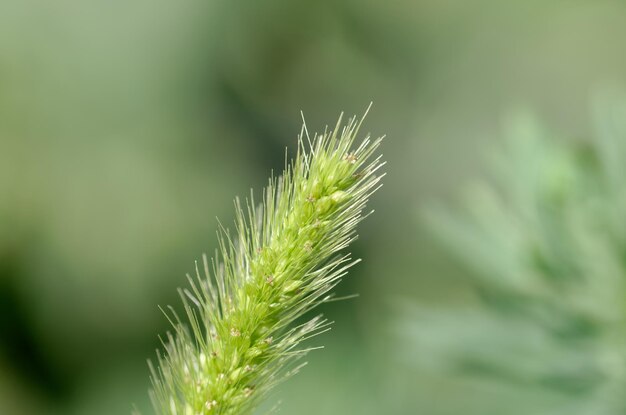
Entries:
{"x":283,"y":260}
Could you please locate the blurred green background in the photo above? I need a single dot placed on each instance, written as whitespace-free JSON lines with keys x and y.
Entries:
{"x":127,"y":127}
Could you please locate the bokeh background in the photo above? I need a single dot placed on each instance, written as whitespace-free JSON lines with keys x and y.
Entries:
{"x":127,"y":127}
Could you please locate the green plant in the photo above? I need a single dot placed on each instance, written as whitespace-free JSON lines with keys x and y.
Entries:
{"x":283,"y":260}
{"x":545,"y":245}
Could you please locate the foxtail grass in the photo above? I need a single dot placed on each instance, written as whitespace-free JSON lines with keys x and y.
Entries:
{"x":238,"y":337}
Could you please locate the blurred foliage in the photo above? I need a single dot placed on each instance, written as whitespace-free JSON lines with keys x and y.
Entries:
{"x":546,"y":242}
{"x":126,"y":128}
